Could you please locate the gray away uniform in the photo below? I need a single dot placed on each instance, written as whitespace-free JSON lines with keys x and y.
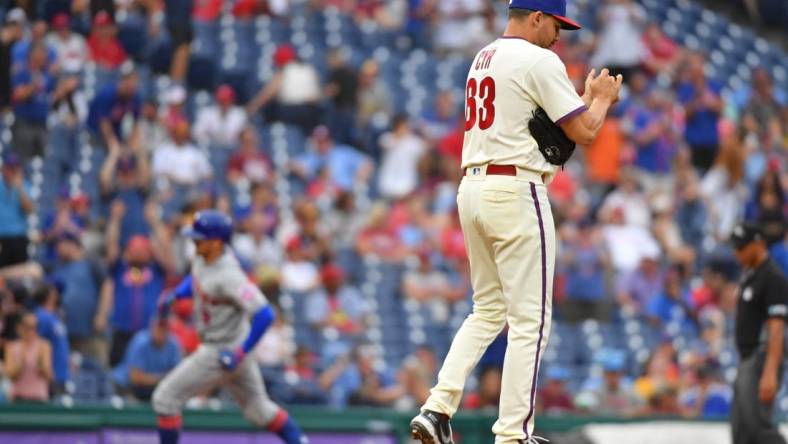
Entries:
{"x":224,"y":300}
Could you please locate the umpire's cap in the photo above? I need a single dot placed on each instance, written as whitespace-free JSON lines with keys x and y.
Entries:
{"x":745,"y":233}
{"x":210,"y":224}
{"x":556,"y":8}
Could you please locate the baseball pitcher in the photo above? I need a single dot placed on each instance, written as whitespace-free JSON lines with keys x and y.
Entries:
{"x":522,"y":120}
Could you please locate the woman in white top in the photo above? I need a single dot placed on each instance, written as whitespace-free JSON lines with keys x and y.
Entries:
{"x":294,"y":93}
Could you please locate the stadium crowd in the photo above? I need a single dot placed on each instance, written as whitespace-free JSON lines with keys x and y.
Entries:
{"x":643,"y":214}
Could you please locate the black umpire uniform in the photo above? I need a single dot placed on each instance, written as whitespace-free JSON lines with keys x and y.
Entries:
{"x":762,"y":300}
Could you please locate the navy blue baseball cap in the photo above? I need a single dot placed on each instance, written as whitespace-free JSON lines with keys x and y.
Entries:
{"x":556,"y":8}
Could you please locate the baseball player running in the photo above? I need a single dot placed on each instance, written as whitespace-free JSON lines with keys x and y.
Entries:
{"x":225,"y":300}
{"x":504,"y":210}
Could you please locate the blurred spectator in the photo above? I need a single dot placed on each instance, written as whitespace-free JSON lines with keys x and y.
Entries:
{"x":663,"y":401}
{"x":151,"y":354}
{"x":603,"y":158}
{"x":702,"y":106}
{"x":761,"y":116}
{"x":33,"y":92}
{"x":12,"y":306}
{"x":374,"y":101}
{"x":314,"y":243}
{"x":707,"y":396}
{"x":178,"y":20}
{"x":174,"y":110}
{"x":619,"y":46}
{"x":461,"y":26}
{"x":429,"y":287}
{"x":691,"y":215}
{"x":661,"y":54}
{"x":637,"y":288}
{"x":12,"y":32}
{"x":419,"y":18}
{"x":438,"y":122}
{"x":553,"y":397}
{"x":584,"y":262}
{"x":379,"y":238}
{"x":28,"y":363}
{"x":667,"y":232}
{"x":346,"y":166}
{"x":767,"y":207}
{"x":124,"y":177}
{"x":249,"y":162}
{"x":151,"y":130}
{"x":402,"y":148}
{"x":298,"y":273}
{"x":627,"y":244}
{"x":343,"y":222}
{"x":342,"y":91}
{"x":779,"y":253}
{"x":724,"y":189}
{"x":671,"y":303}
{"x":660,"y":372}
{"x":294,"y":92}
{"x":180,"y":163}
{"x":254,"y":242}
{"x":488,"y":393}
{"x":360,"y":382}
{"x":614,"y":396}
{"x":15,"y":205}
{"x":650,"y":126}
{"x":417,"y":376}
{"x":336,"y":306}
{"x":630,"y":200}
{"x":20,"y":54}
{"x":66,"y":218}
{"x":302,"y":379}
{"x":71,"y":49}
{"x":112,"y":105}
{"x":138,"y":270}
{"x":87,"y":298}
{"x":220,"y":124}
{"x":51,"y":328}
{"x":105,"y":48}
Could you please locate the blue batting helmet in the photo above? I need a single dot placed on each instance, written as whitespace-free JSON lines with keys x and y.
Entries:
{"x":211,"y":224}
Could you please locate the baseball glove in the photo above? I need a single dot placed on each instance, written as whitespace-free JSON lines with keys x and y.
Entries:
{"x":553,"y":143}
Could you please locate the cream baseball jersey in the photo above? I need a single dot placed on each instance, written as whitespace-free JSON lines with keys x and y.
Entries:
{"x":507,"y":81}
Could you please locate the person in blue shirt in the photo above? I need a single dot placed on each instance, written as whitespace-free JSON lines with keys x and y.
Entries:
{"x":151,"y":354}
{"x":31,"y":96}
{"x":21,"y":50}
{"x":346,"y":166}
{"x":111,"y":106}
{"x":703,"y":105}
{"x":125,"y":177}
{"x":358,"y":381}
{"x":137,"y":277}
{"x":51,"y":328}
{"x":86,"y":298}
{"x":15,"y":205}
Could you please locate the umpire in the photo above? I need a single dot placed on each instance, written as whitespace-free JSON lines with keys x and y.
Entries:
{"x":761,"y":311}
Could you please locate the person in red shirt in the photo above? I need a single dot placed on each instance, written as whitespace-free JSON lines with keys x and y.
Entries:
{"x":554,"y":397}
{"x":249,"y":161}
{"x":105,"y":48}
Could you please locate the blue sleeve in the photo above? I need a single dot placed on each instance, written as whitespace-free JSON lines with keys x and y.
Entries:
{"x":260,"y":323}
{"x":184,"y":289}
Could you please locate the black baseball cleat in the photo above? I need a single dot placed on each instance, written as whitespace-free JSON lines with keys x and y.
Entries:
{"x":430,"y":427}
